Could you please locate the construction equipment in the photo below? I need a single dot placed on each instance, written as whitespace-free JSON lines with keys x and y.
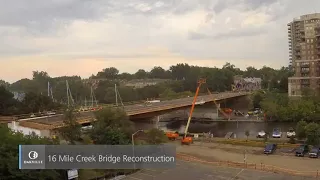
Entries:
{"x":222,"y":111}
{"x":188,"y":140}
{"x":172,"y":135}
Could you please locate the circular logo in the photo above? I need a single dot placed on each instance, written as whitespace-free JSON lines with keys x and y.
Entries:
{"x":33,"y":155}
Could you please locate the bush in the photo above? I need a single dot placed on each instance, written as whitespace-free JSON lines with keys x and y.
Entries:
{"x":292,"y":140}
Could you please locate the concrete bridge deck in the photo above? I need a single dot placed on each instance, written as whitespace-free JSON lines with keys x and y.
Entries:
{"x":55,"y":121}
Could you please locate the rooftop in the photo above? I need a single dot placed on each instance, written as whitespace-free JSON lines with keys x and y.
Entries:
{"x":53,"y":122}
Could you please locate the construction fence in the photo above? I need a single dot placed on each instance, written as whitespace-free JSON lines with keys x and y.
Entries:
{"x":253,"y":166}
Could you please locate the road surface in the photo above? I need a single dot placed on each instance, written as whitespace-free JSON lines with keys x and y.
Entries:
{"x":216,"y":152}
{"x":196,"y":171}
{"x":139,"y":109}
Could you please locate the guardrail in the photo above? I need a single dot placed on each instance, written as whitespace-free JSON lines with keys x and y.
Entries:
{"x":244,"y":142}
{"x":184,"y":103}
{"x":7,"y":119}
{"x":147,"y":109}
{"x":254,"y":166}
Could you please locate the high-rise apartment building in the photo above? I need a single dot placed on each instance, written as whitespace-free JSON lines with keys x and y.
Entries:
{"x":304,"y":49}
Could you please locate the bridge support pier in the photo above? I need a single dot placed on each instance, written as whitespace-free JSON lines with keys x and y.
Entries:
{"x":157,"y":121}
{"x":218,"y":107}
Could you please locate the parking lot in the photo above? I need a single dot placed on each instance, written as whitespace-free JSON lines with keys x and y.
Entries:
{"x":196,"y":171}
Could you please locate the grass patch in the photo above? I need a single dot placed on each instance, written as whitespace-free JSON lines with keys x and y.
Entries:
{"x":88,"y":174}
{"x":92,"y":174}
{"x":282,"y":143}
{"x":256,"y":143}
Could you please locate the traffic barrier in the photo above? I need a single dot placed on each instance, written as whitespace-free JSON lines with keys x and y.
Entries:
{"x":244,"y":142}
{"x":254,"y":166}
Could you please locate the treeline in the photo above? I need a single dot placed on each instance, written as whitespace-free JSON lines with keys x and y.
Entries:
{"x":279,"y":107}
{"x":31,"y":103}
{"x":111,"y":128}
{"x":180,"y":78}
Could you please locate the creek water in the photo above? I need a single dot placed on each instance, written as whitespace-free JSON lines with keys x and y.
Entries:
{"x":218,"y":129}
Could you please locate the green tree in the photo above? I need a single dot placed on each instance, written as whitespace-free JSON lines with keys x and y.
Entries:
{"x":247,"y":133}
{"x":156,"y":136}
{"x":257,"y":99}
{"x":71,"y":131}
{"x":8,"y":105}
{"x":9,"y":143}
{"x":112,"y":127}
{"x":141,"y":74}
{"x":158,"y":72}
{"x":109,"y":73}
{"x":301,"y":129}
{"x":4,"y":83}
{"x":313,"y":133}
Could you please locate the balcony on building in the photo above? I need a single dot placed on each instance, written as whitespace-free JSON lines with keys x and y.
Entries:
{"x":317,"y":30}
{"x":305,"y":65}
{"x":305,"y":82}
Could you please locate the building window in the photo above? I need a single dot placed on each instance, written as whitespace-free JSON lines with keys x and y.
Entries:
{"x":293,"y":92}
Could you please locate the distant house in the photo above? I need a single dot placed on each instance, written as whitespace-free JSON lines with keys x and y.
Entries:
{"x":18,"y":96}
{"x":140,"y":83}
{"x":247,"y":83}
{"x":28,"y":128}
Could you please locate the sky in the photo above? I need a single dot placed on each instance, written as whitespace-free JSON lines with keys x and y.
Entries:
{"x":82,"y":37}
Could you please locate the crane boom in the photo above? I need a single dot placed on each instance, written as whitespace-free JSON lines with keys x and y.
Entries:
{"x":218,"y":107}
{"x":200,"y":82}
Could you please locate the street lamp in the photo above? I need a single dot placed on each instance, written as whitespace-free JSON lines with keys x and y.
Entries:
{"x":132,"y":140}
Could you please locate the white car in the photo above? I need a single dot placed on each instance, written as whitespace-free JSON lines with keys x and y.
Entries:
{"x":200,"y":102}
{"x":261,"y":134}
{"x":277,"y":133}
{"x":51,"y":113}
{"x":291,"y":133}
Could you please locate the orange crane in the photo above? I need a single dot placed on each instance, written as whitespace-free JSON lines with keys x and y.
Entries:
{"x":188,"y":140}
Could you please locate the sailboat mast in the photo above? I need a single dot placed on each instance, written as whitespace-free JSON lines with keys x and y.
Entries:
{"x":116,"y":93}
{"x":48,"y":88}
{"x":68,"y":92}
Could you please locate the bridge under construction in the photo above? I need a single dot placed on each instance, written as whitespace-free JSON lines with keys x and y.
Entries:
{"x":133,"y":111}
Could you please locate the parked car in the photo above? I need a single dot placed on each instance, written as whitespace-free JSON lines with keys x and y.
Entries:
{"x":32,"y":115}
{"x":270,"y":148}
{"x":315,"y":152}
{"x":291,"y":133}
{"x":276,"y":133}
{"x":302,"y":150}
{"x":261,"y":134}
{"x":51,"y":113}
